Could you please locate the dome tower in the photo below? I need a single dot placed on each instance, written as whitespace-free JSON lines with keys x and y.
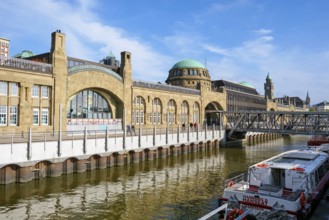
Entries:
{"x":189,"y":73}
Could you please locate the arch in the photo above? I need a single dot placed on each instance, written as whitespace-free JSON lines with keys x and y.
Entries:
{"x":138,"y":110}
{"x":89,"y":103}
{"x":9,"y":174}
{"x":106,"y":85}
{"x":171,"y":112}
{"x":196,"y":113}
{"x":211,"y":113}
{"x":184,"y":112}
{"x":90,"y":67}
{"x":42,"y":169}
{"x":156,"y":111}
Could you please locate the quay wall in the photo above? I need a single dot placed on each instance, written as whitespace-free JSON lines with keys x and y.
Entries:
{"x":23,"y":162}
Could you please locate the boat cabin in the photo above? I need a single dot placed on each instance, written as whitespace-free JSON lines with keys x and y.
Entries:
{"x":293,"y":171}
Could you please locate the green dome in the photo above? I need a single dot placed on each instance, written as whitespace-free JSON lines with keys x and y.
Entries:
{"x":188,"y":64}
{"x":246,"y":84}
{"x":24,"y":54}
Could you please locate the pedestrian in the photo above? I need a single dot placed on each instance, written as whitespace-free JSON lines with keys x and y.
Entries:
{"x":195,"y":126}
{"x":128,"y":129}
{"x":183,"y":126}
{"x":133,"y":129}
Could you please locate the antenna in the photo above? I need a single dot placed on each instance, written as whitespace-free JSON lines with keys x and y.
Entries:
{"x":205,"y":62}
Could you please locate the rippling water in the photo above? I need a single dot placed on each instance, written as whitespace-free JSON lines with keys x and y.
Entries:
{"x":182,"y":187}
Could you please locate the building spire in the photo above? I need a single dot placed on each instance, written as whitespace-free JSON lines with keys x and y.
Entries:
{"x":308,"y":99}
{"x":268,"y":76}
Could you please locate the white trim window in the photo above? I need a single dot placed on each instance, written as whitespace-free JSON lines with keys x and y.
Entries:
{"x":36,"y":91}
{"x":196,"y":112}
{"x":184,"y":112}
{"x":44,"y":116}
{"x":3,"y":88}
{"x":3,"y":115}
{"x":35,"y":116}
{"x":156,"y":110}
{"x":138,"y":110}
{"x":13,"y":89}
{"x":45,"y":91}
{"x":13,"y":115}
{"x":171,"y":112}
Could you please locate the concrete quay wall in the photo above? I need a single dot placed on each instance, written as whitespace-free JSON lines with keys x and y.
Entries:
{"x":23,"y":162}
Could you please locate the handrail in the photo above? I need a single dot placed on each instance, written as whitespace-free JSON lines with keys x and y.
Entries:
{"x":214,"y":212}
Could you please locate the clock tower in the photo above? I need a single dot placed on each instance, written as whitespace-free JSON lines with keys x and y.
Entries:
{"x":269,"y":88}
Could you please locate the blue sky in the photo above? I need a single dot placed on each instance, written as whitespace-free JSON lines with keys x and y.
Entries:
{"x":238,"y":40}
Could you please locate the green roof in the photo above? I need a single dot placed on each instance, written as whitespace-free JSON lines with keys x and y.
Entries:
{"x":246,"y":84}
{"x":268,"y":76}
{"x":188,"y":64}
{"x":24,"y":54}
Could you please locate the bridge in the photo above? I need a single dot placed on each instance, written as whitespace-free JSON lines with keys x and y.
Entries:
{"x":308,"y":123}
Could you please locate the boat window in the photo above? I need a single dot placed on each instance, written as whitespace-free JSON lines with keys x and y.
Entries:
{"x":321,"y":172}
{"x":316,"y":178}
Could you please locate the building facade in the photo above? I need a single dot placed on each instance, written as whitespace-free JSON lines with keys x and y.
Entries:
{"x":322,"y":106}
{"x":4,"y":47}
{"x":45,"y":91}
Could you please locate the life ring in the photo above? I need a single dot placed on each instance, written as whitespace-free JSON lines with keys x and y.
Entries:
{"x":230,"y":183}
{"x":302,"y":199}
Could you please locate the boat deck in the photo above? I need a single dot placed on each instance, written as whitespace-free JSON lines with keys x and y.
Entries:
{"x":266,"y":190}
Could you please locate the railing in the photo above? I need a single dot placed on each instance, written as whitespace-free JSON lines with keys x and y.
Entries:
{"x":23,"y":137}
{"x":25,"y":64}
{"x":34,"y":146}
{"x":240,"y":183}
{"x":171,"y":88}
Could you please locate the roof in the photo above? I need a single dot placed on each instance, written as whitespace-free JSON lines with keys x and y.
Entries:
{"x":243,"y":83}
{"x":268,"y":76}
{"x":188,"y":64}
{"x":306,"y":159}
{"x":324,"y":103}
{"x":24,"y":54}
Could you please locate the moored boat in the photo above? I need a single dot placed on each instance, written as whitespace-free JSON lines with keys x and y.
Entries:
{"x":318,"y":140}
{"x":287,"y":186}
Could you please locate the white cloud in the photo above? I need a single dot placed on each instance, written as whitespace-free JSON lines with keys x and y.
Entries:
{"x":263,"y":31}
{"x":216,"y":50}
{"x":88,"y":38}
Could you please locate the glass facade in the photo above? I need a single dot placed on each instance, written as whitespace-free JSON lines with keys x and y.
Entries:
{"x":89,"y":104}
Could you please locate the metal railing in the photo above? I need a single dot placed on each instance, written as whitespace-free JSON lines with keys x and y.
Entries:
{"x":25,"y":64}
{"x":240,"y":183}
{"x":23,"y":137}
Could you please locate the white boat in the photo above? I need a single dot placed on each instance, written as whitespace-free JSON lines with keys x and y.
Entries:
{"x":287,"y":186}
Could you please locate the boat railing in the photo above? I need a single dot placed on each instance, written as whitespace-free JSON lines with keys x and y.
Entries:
{"x":239,"y":183}
{"x":239,"y":179}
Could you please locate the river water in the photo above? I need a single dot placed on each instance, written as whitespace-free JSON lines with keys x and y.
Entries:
{"x":181,"y":187}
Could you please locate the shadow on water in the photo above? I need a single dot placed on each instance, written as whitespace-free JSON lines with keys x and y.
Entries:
{"x":181,"y":187}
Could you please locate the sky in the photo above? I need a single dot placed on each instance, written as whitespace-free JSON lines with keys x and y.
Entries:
{"x":237,"y":40}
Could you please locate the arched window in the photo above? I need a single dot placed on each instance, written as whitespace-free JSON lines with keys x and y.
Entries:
{"x":88,"y":104}
{"x":138,"y":110}
{"x":184,"y":112}
{"x":196,"y":113}
{"x":171,"y":112}
{"x":155,"y":115}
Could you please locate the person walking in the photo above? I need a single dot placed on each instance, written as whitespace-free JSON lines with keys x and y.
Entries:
{"x":133,"y":129}
{"x":128,"y":129}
